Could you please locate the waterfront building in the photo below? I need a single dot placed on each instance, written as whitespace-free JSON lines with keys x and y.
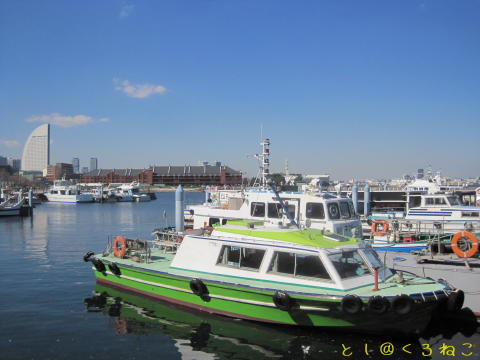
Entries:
{"x":59,"y":171}
{"x":93,"y":163}
{"x":36,"y":152}
{"x":76,"y":165}
{"x":168,"y":175}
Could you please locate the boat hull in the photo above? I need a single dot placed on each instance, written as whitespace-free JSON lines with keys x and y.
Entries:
{"x":82,"y":198}
{"x":256,"y":304}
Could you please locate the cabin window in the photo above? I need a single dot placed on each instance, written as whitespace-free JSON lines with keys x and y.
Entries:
{"x":440,"y":201}
{"x":240,"y":257}
{"x":333,"y":211}
{"x":470,"y":214}
{"x":315,"y":211}
{"x":62,"y":192}
{"x":352,"y":209}
{"x":275,"y":210}
{"x":349,"y":263}
{"x":344,"y":210}
{"x":454,"y":201}
{"x":299,"y":265}
{"x":429,"y":201}
{"x":257,"y":209}
{"x":213,"y":221}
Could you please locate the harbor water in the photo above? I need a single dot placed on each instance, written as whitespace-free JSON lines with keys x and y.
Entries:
{"x":51,"y":308}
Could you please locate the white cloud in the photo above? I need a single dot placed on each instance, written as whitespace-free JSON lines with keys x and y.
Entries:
{"x":126,"y":10}
{"x":139,"y":91}
{"x":9,"y":143}
{"x":64,"y":120}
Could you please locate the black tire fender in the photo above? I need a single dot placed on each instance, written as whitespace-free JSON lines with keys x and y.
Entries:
{"x":455,"y":300}
{"x":282,"y":300}
{"x":378,"y":304}
{"x":198,"y":287}
{"x":100,"y":266}
{"x":402,"y":304}
{"x":87,"y":256}
{"x":352,"y":304}
{"x":115,"y":270}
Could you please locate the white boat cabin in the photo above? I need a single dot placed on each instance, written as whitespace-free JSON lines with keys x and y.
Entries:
{"x":330,"y":261}
{"x":317,"y":210}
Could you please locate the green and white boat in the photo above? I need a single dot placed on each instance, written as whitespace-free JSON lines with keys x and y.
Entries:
{"x":276,"y":274}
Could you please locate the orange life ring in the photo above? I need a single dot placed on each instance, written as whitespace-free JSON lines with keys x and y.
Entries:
{"x":459,"y":252}
{"x":384,"y":227}
{"x":119,"y":252}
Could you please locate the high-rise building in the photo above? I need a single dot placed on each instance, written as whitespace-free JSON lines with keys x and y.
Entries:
{"x":93,"y":163}
{"x":84,"y":170}
{"x":3,"y":160}
{"x":36,"y":152}
{"x":76,"y":165}
{"x":14,"y":163}
{"x":420,"y":174}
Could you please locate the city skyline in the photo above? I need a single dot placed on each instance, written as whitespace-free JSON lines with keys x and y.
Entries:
{"x":353,"y":89}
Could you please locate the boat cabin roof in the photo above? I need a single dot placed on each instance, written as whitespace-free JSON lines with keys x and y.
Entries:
{"x":307,"y":237}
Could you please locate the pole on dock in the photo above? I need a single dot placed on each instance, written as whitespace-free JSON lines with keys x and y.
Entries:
{"x":366,"y":200}
{"x":2,"y":195}
{"x":179,"y":202}
{"x":101,"y":193}
{"x":355,"y":197}
{"x":30,"y":201}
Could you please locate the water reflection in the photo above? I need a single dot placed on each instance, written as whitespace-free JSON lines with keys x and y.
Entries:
{"x":211,"y":336}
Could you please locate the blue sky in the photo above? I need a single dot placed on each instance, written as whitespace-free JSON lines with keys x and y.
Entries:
{"x":351,"y":88}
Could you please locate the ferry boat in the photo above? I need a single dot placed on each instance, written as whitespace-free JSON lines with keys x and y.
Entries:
{"x":312,"y":208}
{"x":63,"y":191}
{"x":276,"y":273}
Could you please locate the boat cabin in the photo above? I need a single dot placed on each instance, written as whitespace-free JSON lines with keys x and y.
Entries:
{"x":312,"y":210}
{"x":296,"y":257}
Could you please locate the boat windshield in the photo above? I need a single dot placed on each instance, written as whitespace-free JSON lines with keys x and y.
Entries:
{"x":349,"y":263}
{"x":454,"y":200}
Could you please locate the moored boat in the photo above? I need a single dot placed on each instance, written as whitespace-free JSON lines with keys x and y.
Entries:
{"x":276,"y":274}
{"x":64,"y":191}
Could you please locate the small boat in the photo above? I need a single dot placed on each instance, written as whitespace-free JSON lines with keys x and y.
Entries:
{"x":64,"y":191}
{"x":12,"y":206}
{"x":275,"y":273}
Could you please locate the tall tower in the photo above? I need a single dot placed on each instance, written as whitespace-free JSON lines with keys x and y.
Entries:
{"x":36,"y":152}
{"x":76,"y":165}
{"x":93,"y":163}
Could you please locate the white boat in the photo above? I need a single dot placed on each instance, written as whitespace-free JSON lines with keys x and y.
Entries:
{"x":129,"y":192}
{"x":63,"y":191}
{"x":311,"y":208}
{"x":12,"y":206}
{"x":445,"y":212}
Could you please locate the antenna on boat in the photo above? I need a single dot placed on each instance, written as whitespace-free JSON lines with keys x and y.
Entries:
{"x":263,"y":164}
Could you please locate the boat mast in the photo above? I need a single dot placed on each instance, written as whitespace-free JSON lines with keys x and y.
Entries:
{"x":264,"y":165}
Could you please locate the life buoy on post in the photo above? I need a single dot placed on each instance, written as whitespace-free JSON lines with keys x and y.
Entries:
{"x":460,"y":251}
{"x":119,"y":251}
{"x":380,"y":227}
